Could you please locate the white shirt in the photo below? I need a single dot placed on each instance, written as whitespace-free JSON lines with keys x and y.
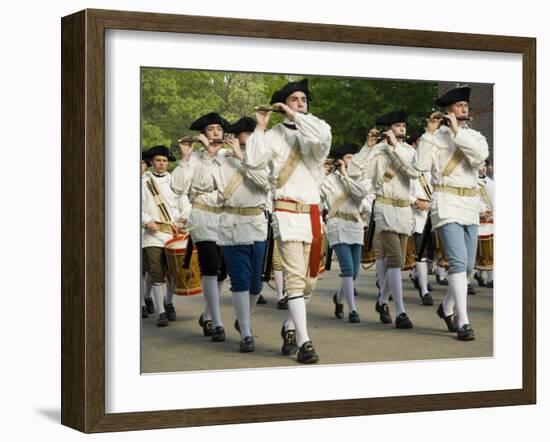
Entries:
{"x":417,"y":192}
{"x":489,"y":186}
{"x":486,"y":228}
{"x":342,"y":231}
{"x":433,"y":153}
{"x":150,"y":212}
{"x":366,"y":205}
{"x":356,"y":171}
{"x":204,"y":225}
{"x":373,"y":163}
{"x":241,"y":229}
{"x":272,"y":149}
{"x":182,"y":175}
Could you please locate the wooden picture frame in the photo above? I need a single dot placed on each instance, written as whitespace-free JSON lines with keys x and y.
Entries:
{"x":83,"y":219}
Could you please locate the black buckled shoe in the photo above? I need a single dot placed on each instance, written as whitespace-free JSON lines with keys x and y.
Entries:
{"x":441,"y":281}
{"x":450,"y":320}
{"x":170,"y":311}
{"x":306,"y":354}
{"x":150,"y":305}
{"x":247,"y":345}
{"x":466,"y":333}
{"x":144,"y":313}
{"x":384,"y":312}
{"x":206,"y":326}
{"x":354,"y":317}
{"x":480,"y":281}
{"x":261,"y":300}
{"x":162,"y":320}
{"x":338,"y":308}
{"x":218,"y":334}
{"x":282,"y":304}
{"x":403,"y":321}
{"x":426,"y":299}
{"x":471,"y":290}
{"x":289,"y":341}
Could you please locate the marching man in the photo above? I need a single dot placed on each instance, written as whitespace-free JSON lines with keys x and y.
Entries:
{"x":387,"y":160}
{"x":295,"y":152}
{"x":159,"y":214}
{"x":344,"y":197}
{"x":454,"y":153}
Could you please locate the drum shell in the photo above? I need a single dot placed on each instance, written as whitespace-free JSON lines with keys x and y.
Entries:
{"x":185,"y":282}
{"x":367,"y":257}
{"x":409,"y":262}
{"x":485,"y":247}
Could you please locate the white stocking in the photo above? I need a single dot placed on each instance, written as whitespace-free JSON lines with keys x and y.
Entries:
{"x":297,"y":310}
{"x":459,"y":283}
{"x":159,"y":292}
{"x":279,"y":283}
{"x":393,"y":276}
{"x":241,"y":303}
{"x":422,"y":272}
{"x":347,"y":288}
{"x":212,"y":298}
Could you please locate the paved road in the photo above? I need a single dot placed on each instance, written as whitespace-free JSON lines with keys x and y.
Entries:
{"x":181,"y":346}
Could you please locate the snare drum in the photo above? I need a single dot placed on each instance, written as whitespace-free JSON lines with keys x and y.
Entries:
{"x":439,"y":251}
{"x":186,"y":282}
{"x":367,"y":257}
{"x":409,"y":262}
{"x":485,"y":244}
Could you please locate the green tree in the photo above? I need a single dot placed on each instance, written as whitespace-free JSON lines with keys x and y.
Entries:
{"x":351,"y":106}
{"x":171,"y":99}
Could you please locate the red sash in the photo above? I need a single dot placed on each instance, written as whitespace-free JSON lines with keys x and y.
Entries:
{"x":316,"y":243}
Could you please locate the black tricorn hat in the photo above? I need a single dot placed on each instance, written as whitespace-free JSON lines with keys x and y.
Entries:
{"x":414,"y":136}
{"x":211,"y":118}
{"x":453,"y":96}
{"x":392,"y":118}
{"x":343,"y":150}
{"x":245,"y":124}
{"x":164,"y":151}
{"x":145,"y":157}
{"x":282,"y":94}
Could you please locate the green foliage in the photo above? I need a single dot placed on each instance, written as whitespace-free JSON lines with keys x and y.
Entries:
{"x":351,"y":106}
{"x":171,"y":99}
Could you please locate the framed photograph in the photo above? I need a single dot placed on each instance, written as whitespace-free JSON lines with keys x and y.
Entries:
{"x":132,"y":80}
